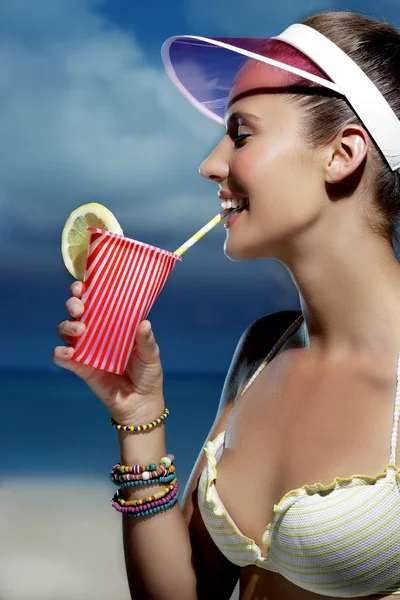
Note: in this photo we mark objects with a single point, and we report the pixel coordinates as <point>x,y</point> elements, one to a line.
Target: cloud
<point>84,117</point>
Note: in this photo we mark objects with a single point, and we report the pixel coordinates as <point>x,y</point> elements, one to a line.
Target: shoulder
<point>254,344</point>
<point>259,337</point>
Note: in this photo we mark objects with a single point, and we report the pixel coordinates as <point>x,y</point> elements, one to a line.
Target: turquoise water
<point>52,420</point>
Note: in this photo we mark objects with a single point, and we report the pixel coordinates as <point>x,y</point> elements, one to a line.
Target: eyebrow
<point>235,116</point>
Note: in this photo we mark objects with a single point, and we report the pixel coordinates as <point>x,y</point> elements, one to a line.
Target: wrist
<point>146,410</point>
<point>148,445</point>
<point>144,447</point>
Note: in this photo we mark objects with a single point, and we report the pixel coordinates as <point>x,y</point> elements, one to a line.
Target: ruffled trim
<point>337,482</point>
<point>211,448</point>
<point>293,496</point>
<point>218,508</point>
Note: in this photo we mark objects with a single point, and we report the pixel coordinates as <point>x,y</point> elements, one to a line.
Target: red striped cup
<point>122,281</point>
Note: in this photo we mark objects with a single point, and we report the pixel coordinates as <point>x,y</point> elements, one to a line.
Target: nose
<point>216,167</point>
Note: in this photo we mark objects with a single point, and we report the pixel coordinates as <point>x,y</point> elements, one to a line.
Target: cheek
<point>259,169</point>
<point>244,169</point>
<point>281,158</point>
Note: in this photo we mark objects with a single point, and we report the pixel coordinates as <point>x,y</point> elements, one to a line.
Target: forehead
<point>258,75</point>
<point>255,87</point>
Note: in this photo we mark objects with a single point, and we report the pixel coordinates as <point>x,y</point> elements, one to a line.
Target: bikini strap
<point>393,446</point>
<point>289,331</point>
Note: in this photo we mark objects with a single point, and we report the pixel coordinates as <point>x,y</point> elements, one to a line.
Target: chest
<point>301,423</point>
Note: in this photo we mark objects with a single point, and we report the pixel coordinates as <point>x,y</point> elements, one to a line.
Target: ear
<point>346,153</point>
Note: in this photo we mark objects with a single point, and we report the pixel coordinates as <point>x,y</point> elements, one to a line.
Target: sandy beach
<point>60,541</point>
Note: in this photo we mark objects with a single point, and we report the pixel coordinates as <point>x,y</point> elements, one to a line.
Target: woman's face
<point>263,158</point>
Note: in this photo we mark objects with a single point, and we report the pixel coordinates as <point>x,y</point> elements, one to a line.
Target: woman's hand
<point>135,396</point>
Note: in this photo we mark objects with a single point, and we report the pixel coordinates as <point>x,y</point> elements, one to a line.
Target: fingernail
<point>66,352</point>
<point>75,310</point>
<point>148,334</point>
<point>78,327</point>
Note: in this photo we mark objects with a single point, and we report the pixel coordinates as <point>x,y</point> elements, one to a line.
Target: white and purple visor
<point>204,69</point>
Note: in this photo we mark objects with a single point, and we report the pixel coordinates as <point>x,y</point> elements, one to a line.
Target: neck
<point>350,298</point>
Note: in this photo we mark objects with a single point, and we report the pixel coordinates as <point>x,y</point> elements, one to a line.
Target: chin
<point>239,253</point>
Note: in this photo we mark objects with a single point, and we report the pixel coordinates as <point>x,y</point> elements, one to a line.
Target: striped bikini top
<point>340,540</point>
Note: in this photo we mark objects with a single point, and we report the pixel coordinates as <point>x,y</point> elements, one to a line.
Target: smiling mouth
<point>230,207</point>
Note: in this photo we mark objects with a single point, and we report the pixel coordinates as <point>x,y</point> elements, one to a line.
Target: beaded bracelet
<point>166,479</point>
<point>150,507</point>
<point>142,501</point>
<point>166,461</point>
<point>150,511</point>
<point>137,428</point>
<point>144,507</point>
<point>161,471</point>
<point>168,494</point>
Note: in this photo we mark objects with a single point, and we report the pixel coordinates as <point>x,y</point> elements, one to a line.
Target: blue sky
<point>88,114</point>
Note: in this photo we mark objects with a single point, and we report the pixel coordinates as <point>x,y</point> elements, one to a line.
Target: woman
<point>311,156</point>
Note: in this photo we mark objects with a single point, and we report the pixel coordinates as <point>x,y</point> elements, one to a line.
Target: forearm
<point>157,548</point>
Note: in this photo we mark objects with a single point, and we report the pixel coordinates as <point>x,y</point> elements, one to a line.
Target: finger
<point>77,289</point>
<point>68,329</point>
<point>61,355</point>
<point>75,307</point>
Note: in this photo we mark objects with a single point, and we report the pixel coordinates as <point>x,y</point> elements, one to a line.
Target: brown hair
<point>375,47</point>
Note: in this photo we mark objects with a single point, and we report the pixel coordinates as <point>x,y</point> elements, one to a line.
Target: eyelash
<point>238,141</point>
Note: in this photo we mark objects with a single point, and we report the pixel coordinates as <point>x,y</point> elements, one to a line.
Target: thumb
<point>146,347</point>
<point>144,366</point>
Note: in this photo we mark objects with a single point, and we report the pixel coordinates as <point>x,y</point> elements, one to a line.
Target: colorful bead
<point>154,510</point>
<point>165,479</point>
<point>152,498</point>
<point>149,507</point>
<point>135,472</point>
<point>138,428</point>
<point>161,471</point>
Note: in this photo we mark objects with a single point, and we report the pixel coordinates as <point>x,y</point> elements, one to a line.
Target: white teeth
<point>234,203</point>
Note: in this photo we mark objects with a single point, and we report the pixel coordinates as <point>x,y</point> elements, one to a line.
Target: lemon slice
<point>75,236</point>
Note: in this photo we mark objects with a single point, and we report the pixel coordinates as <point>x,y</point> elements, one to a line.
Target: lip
<point>229,222</point>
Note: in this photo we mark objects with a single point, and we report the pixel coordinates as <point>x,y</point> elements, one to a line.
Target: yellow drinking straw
<point>197,236</point>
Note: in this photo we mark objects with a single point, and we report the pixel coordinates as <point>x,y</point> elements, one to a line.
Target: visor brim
<point>204,69</point>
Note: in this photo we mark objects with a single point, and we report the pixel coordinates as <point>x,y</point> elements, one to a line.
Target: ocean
<point>53,419</point>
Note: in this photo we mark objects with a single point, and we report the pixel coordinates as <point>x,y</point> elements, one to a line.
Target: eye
<point>239,140</point>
